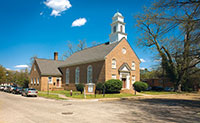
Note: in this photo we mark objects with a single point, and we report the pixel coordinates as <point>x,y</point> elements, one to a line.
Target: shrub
<point>113,86</point>
<point>140,86</point>
<point>80,87</point>
<point>99,87</point>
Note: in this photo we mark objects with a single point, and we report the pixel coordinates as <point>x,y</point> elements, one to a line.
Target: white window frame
<point>50,80</point>
<point>38,81</point>
<point>133,65</point>
<point>133,79</point>
<point>77,75</point>
<point>34,81</point>
<point>114,63</point>
<point>89,74</point>
<point>31,81</point>
<point>67,76</point>
<point>114,76</point>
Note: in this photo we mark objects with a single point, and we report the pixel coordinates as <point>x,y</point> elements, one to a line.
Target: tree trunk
<point>179,87</point>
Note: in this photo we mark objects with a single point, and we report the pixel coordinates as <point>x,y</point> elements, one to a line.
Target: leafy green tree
<point>2,74</point>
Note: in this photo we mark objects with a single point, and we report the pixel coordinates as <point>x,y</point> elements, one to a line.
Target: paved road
<point>18,109</point>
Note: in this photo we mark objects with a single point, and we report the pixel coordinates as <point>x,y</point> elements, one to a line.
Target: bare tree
<point>181,53</point>
<point>74,48</point>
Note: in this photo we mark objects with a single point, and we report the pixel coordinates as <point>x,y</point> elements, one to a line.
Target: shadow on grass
<point>163,110</point>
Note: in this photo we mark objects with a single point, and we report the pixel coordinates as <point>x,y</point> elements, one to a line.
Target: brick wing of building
<point>111,60</point>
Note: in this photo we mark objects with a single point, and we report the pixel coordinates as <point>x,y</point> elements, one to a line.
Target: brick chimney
<point>55,55</point>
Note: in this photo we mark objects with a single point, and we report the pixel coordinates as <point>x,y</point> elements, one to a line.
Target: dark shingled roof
<point>49,67</point>
<point>92,54</point>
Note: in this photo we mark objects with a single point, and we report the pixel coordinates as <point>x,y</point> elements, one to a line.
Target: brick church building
<point>111,60</point>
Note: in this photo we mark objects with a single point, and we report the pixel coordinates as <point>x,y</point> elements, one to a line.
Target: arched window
<point>38,81</point>
<point>77,72</point>
<point>114,63</point>
<point>133,65</point>
<point>114,29</point>
<point>89,74</point>
<point>121,28</point>
<point>31,81</point>
<point>67,76</point>
<point>34,81</point>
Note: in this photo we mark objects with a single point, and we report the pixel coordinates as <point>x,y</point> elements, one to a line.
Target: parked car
<point>168,89</point>
<point>17,90</point>
<point>157,88</point>
<point>7,89</point>
<point>29,92</point>
<point>11,88</point>
<point>2,88</point>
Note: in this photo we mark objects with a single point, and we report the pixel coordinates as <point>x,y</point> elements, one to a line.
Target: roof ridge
<point>92,47</point>
<point>49,59</point>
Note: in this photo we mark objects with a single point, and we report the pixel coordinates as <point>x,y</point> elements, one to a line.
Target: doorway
<point>124,82</point>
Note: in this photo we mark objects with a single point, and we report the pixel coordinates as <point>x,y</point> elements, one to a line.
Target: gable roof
<point>126,66</point>
<point>92,54</point>
<point>49,67</point>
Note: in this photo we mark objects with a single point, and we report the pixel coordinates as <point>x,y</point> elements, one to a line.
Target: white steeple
<point>117,28</point>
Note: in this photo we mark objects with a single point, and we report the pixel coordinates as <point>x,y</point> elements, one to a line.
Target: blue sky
<point>41,27</point>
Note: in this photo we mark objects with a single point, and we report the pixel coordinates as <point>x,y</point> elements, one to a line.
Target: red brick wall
<point>35,74</point>
<point>98,69</point>
<point>121,58</point>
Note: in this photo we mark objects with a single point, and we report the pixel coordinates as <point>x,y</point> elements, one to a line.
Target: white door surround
<point>124,72</point>
<point>127,77</point>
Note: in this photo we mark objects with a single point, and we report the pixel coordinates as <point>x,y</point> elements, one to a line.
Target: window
<point>133,79</point>
<point>31,80</point>
<point>67,76</point>
<point>114,29</point>
<point>124,50</point>
<point>121,28</point>
<point>133,65</point>
<point>77,72</point>
<point>34,68</point>
<point>38,81</point>
<point>50,80</point>
<point>114,76</point>
<point>34,80</point>
<point>114,64</point>
<point>89,74</point>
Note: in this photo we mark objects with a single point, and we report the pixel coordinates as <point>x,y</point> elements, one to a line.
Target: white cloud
<point>158,60</point>
<point>58,6</point>
<point>142,68</point>
<point>8,69</point>
<point>79,22</point>
<point>142,60</point>
<point>21,66</point>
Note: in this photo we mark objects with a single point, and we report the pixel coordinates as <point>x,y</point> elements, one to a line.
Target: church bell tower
<point>117,28</point>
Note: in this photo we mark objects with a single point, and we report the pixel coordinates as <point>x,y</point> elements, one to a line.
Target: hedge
<point>113,86</point>
<point>140,86</point>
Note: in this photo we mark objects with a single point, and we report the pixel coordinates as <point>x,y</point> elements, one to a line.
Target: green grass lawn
<point>158,92</point>
<point>78,95</point>
<point>50,96</point>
